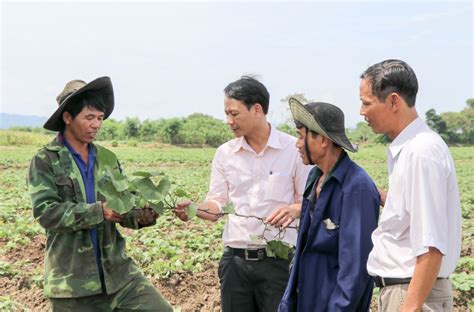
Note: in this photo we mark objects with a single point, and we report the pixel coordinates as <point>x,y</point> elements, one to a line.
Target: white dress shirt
<point>422,208</point>
<point>257,184</point>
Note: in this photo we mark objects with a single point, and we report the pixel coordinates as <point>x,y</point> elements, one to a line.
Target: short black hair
<point>392,76</point>
<point>88,99</point>
<point>250,91</point>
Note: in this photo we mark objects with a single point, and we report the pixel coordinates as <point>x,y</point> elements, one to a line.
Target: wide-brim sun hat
<point>323,118</point>
<point>73,90</point>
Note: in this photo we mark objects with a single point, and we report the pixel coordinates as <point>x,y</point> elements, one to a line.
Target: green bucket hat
<point>323,118</point>
<point>73,90</point>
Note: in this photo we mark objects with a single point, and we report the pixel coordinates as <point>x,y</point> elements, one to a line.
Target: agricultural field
<point>180,258</point>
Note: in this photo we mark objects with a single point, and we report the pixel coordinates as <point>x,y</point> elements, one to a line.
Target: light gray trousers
<point>440,298</point>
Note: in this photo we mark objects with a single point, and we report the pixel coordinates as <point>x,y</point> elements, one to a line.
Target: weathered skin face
<point>84,128</point>
<point>313,145</point>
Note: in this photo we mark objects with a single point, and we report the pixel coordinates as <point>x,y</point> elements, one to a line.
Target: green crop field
<point>175,255</point>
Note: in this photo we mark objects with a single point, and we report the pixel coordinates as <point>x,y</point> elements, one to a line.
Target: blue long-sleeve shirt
<point>334,241</point>
<point>87,173</point>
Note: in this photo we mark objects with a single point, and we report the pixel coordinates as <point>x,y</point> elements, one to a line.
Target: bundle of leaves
<point>122,195</point>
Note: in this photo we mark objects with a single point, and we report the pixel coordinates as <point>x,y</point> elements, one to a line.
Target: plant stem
<point>220,214</point>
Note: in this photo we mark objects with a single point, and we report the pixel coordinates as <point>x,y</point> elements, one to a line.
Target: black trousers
<point>252,286</point>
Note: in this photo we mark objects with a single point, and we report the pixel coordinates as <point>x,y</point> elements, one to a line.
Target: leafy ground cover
<point>180,258</point>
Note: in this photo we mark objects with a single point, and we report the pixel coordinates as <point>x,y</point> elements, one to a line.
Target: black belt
<point>387,281</point>
<point>249,254</point>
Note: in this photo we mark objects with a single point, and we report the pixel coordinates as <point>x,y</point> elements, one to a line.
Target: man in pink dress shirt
<point>261,174</point>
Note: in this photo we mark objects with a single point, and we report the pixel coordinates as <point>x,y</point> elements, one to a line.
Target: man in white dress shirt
<point>261,173</point>
<point>418,240</point>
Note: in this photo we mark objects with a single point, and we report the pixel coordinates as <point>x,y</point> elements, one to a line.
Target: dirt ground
<point>189,291</point>
<point>192,292</point>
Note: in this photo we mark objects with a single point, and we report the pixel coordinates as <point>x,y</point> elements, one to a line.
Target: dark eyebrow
<point>94,115</point>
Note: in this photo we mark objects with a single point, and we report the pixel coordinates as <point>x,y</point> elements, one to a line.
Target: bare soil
<point>192,292</point>
<point>189,291</point>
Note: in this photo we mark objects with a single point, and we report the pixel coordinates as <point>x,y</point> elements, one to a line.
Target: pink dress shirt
<point>257,184</point>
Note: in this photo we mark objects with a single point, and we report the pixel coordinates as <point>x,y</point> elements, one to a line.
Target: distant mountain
<point>13,120</point>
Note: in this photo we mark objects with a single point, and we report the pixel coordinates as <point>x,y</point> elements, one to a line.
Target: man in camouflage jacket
<point>87,268</point>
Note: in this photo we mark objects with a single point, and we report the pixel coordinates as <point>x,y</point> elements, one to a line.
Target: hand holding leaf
<point>110,215</point>
<point>123,195</point>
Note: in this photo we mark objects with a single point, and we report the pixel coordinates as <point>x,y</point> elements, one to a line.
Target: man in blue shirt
<point>339,213</point>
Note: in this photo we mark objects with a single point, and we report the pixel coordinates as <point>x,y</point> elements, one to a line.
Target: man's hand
<point>146,216</point>
<point>110,215</point>
<point>180,210</point>
<point>282,217</point>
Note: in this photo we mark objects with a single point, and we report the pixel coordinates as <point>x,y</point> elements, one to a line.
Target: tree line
<point>453,127</point>
<point>194,130</point>
<point>203,130</point>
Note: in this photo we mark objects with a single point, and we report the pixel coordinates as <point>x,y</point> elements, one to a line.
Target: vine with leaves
<point>122,195</point>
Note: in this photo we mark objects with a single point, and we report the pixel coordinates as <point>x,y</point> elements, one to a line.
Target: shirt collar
<point>403,137</point>
<point>62,139</point>
<point>340,167</point>
<point>338,171</point>
<point>273,142</point>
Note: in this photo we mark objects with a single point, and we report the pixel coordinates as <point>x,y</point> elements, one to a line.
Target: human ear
<point>67,118</point>
<point>394,101</point>
<point>324,140</point>
<point>258,108</point>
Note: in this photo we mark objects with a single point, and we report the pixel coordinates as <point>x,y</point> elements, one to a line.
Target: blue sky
<point>170,59</point>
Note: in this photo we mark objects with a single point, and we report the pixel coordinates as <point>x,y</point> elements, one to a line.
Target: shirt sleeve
<point>426,196</point>
<point>55,212</point>
<point>218,186</point>
<point>359,216</point>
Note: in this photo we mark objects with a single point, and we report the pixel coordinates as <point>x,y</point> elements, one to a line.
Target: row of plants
<point>172,246</point>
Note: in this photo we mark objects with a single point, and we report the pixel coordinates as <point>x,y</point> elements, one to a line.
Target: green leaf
<point>191,210</point>
<point>106,188</point>
<point>147,174</point>
<point>158,207</point>
<point>143,174</point>
<point>119,180</point>
<point>181,193</point>
<point>120,202</point>
<point>140,201</point>
<point>279,249</point>
<point>462,281</point>
<point>164,187</point>
<point>147,189</point>
<point>105,158</point>
<point>270,252</point>
<point>132,188</point>
<point>229,208</point>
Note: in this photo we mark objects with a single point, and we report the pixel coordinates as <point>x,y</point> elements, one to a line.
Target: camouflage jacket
<point>59,205</point>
